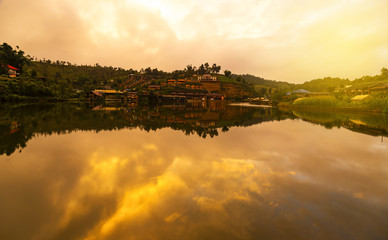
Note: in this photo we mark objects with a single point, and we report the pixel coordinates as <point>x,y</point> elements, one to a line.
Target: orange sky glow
<point>293,41</point>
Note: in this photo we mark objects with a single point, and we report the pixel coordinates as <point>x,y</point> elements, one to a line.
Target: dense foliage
<point>377,102</point>
<point>9,56</point>
<point>329,84</point>
<point>264,82</point>
<point>64,80</point>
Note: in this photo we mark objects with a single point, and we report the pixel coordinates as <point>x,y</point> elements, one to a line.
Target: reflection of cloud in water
<point>358,195</point>
<point>132,184</point>
<point>225,181</point>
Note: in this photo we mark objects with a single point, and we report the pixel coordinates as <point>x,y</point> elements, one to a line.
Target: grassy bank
<point>378,104</point>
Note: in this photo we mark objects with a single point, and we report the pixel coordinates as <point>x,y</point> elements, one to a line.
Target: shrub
<point>378,102</point>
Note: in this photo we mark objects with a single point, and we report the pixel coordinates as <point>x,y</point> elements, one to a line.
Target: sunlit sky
<point>285,40</point>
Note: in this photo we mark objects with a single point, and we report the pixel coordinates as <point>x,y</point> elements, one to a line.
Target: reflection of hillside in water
<point>19,123</point>
<point>371,124</point>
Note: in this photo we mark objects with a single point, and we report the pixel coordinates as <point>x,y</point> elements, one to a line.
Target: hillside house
<point>360,98</point>
<point>378,88</point>
<point>171,82</point>
<point>264,101</point>
<point>132,97</point>
<point>181,81</point>
<point>210,83</point>
<point>105,94</point>
<point>207,77</point>
<point>154,87</point>
<point>366,88</point>
<point>12,71</point>
<point>299,91</point>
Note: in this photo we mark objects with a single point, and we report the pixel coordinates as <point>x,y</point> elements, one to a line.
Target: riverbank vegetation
<point>60,80</point>
<point>344,103</point>
<point>25,78</point>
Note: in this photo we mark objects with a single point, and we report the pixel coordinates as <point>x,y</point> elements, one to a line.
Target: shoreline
<point>315,108</point>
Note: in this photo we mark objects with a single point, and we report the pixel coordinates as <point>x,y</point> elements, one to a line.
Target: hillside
<point>259,81</point>
<point>63,80</point>
<point>329,84</point>
<point>60,80</point>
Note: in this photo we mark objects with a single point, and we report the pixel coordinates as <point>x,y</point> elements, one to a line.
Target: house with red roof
<point>12,71</point>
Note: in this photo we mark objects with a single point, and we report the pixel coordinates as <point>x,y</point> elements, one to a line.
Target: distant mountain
<point>328,84</point>
<point>259,81</point>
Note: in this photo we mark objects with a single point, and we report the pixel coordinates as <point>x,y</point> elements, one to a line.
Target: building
<point>171,82</point>
<point>132,97</point>
<point>107,95</point>
<point>378,88</point>
<point>264,101</point>
<point>299,91</point>
<point>12,71</point>
<point>207,77</point>
<point>360,98</point>
<point>108,92</point>
<point>154,87</point>
<point>319,94</point>
<point>181,81</point>
<point>375,88</point>
<point>210,83</point>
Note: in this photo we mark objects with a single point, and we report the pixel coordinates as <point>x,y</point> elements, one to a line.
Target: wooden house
<point>12,71</point>
<point>207,77</point>
<point>378,88</point>
<point>181,81</point>
<point>210,83</point>
<point>154,87</point>
<point>360,98</point>
<point>171,82</point>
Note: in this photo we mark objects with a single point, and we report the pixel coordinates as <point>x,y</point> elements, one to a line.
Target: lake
<point>198,171</point>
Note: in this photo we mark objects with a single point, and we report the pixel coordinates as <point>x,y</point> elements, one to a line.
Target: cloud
<point>287,40</point>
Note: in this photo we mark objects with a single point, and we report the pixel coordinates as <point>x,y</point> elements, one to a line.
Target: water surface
<point>191,172</point>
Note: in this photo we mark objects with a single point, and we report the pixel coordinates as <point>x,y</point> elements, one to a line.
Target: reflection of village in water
<point>196,114</point>
<point>18,124</point>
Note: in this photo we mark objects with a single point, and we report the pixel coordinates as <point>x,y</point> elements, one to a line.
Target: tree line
<point>62,79</point>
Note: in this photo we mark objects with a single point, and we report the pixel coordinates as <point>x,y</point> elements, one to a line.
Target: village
<point>204,87</point>
<point>145,89</point>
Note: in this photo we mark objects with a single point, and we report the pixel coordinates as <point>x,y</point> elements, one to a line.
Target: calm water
<point>191,172</point>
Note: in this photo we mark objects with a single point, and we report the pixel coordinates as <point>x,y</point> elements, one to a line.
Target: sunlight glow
<point>311,40</point>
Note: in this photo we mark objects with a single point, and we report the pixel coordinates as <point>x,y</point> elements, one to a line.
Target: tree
<point>218,69</point>
<point>34,73</point>
<point>215,68</point>
<point>206,67</point>
<point>262,91</point>
<point>155,72</point>
<point>201,69</point>
<point>58,76</point>
<point>277,96</point>
<point>9,56</point>
<point>227,73</point>
<point>148,71</point>
<point>189,68</point>
<point>384,72</point>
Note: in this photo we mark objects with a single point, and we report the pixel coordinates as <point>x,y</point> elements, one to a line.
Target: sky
<point>284,40</point>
